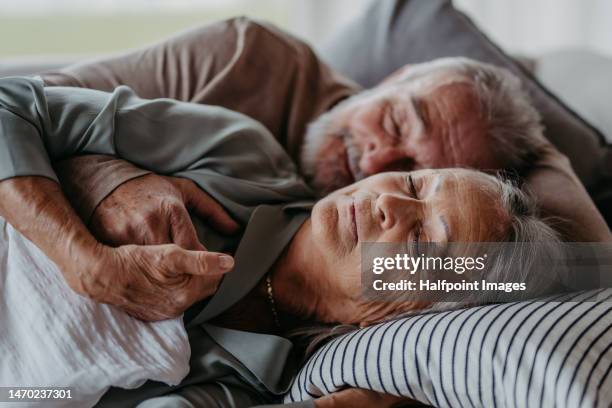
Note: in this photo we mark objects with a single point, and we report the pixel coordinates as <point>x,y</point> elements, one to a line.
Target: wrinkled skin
<point>435,122</point>
<point>152,210</point>
<point>152,282</point>
<point>323,260</point>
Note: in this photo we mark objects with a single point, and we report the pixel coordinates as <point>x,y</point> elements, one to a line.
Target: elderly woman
<point>296,262</point>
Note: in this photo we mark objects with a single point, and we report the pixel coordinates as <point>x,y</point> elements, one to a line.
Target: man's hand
<point>156,282</point>
<point>150,282</point>
<point>358,397</point>
<point>153,210</point>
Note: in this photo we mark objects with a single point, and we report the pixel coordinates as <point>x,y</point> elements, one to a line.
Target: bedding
<point>555,352</point>
<point>52,337</point>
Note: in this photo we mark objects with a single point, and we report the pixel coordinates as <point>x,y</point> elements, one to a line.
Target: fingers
<point>203,272</point>
<point>206,207</point>
<point>199,263</point>
<point>147,226</point>
<point>213,263</point>
<point>161,281</point>
<point>183,232</point>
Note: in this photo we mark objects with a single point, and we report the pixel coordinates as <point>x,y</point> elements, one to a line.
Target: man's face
<point>431,121</point>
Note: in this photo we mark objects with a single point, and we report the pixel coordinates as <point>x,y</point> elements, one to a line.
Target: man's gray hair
<point>512,121</point>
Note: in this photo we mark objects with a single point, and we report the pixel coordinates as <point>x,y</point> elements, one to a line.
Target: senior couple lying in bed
<point>242,198</point>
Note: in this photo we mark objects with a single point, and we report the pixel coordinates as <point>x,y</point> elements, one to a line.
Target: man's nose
<point>397,208</point>
<point>380,154</point>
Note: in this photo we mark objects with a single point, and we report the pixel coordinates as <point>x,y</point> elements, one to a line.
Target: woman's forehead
<point>471,205</point>
<point>455,179</point>
<point>457,176</point>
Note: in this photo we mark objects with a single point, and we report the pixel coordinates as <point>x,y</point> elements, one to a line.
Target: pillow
<point>556,352</point>
<point>393,33</point>
<point>52,337</point>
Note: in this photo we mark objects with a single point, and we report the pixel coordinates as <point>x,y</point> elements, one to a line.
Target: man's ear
<point>397,75</point>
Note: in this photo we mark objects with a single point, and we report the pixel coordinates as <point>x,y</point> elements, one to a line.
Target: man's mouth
<point>351,158</point>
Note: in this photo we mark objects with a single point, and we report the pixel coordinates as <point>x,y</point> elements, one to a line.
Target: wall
<point>316,20</point>
<point>533,27</point>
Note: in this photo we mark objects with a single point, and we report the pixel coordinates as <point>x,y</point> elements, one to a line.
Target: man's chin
<point>324,158</point>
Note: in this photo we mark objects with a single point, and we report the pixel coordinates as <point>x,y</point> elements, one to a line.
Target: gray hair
<point>512,124</point>
<point>533,243</point>
<point>512,121</point>
<point>528,251</point>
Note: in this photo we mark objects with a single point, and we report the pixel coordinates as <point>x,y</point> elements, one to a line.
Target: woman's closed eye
<point>412,187</point>
<point>417,227</point>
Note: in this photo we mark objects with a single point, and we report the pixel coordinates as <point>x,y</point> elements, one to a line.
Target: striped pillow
<point>554,352</point>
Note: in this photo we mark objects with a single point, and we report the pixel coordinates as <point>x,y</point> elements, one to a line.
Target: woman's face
<point>450,205</point>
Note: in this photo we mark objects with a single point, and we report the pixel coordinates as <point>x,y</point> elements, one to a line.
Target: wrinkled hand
<point>153,210</point>
<point>156,282</point>
<point>146,279</point>
<point>150,282</point>
<point>358,397</point>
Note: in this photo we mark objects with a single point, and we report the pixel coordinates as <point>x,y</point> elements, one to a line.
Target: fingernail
<point>226,262</point>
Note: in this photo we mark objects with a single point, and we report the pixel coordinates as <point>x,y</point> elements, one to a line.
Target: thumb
<point>212,263</point>
<point>206,207</point>
<point>198,263</point>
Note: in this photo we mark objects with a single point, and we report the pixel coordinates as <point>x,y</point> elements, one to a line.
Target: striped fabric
<point>551,353</point>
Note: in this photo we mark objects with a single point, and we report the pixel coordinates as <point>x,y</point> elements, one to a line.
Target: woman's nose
<point>394,208</point>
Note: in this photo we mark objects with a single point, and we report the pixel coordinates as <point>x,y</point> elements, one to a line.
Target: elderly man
<point>441,114</point>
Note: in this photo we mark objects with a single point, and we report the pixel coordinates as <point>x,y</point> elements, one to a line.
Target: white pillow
<point>52,337</point>
<point>524,354</point>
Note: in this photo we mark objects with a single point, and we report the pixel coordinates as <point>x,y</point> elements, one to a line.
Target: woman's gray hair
<point>529,252</point>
